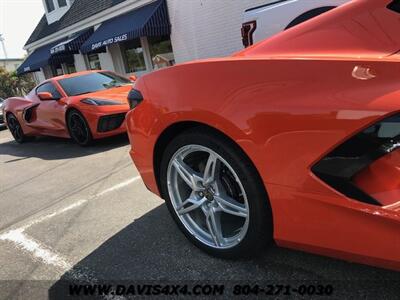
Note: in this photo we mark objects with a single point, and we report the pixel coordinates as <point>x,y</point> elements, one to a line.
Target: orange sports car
<point>295,139</point>
<point>84,106</point>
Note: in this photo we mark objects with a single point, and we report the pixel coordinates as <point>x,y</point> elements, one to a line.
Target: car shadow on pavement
<point>151,249</point>
<point>51,148</point>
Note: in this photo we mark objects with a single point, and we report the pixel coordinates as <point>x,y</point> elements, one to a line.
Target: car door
<point>50,114</point>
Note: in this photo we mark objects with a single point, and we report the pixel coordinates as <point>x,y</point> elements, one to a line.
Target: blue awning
<point>72,44</point>
<point>149,20</point>
<point>37,59</point>
<point>55,53</point>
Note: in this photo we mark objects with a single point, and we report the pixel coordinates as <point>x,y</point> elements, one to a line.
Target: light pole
<point>4,50</point>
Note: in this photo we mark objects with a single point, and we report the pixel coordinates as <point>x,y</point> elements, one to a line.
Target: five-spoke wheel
<point>208,196</point>
<point>215,194</point>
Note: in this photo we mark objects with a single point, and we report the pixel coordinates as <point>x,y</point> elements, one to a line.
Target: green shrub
<point>12,85</point>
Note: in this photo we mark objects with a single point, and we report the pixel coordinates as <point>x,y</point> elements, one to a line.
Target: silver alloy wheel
<point>208,196</point>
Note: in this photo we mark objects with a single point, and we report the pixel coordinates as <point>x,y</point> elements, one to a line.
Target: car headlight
<point>100,102</point>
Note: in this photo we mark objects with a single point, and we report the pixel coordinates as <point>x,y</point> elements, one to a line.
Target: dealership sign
<point>57,49</point>
<point>110,41</point>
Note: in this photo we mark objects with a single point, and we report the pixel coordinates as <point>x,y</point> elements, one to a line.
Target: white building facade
<point>10,64</point>
<point>197,29</point>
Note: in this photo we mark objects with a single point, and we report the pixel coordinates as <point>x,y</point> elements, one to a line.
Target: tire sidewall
<point>259,231</point>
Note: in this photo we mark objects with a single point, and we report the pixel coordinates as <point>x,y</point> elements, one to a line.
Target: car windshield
<point>93,82</point>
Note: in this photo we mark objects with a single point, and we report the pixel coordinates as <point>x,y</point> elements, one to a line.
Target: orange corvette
<point>84,106</point>
<point>295,139</point>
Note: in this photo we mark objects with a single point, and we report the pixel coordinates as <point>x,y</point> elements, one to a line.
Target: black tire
<point>259,233</point>
<point>79,129</point>
<point>16,130</point>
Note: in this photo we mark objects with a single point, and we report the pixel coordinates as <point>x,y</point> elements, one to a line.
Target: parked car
<point>295,139</point>
<point>84,106</point>
<point>1,113</point>
<point>275,16</point>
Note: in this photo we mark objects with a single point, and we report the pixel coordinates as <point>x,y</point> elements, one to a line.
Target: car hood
<point>119,94</point>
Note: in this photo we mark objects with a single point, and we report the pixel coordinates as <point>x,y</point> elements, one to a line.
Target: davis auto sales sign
<point>113,40</point>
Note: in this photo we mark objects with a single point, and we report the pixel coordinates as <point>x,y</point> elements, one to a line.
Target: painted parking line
<point>42,252</point>
<point>5,140</point>
<point>39,251</point>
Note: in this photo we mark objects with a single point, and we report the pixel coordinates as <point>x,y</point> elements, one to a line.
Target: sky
<point>18,19</point>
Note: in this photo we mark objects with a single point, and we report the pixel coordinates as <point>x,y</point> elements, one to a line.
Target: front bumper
<point>106,122</point>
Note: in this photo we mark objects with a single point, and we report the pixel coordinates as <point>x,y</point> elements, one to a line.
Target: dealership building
<point>131,36</point>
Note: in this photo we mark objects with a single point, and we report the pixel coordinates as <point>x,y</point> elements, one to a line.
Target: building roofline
<point>91,21</point>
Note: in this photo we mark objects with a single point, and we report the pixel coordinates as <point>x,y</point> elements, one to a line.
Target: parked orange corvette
<point>84,106</point>
<point>295,139</point>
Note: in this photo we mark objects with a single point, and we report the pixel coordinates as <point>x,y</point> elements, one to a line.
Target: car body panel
<point>49,117</point>
<point>275,16</point>
<point>287,112</point>
<point>364,28</point>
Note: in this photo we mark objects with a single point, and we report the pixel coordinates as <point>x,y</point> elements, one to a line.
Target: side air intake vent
<point>395,6</point>
<point>340,168</point>
<point>29,113</point>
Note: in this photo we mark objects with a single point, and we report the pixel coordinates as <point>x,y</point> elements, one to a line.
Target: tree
<point>12,85</point>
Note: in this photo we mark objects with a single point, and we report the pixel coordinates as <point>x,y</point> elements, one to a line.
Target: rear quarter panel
<point>16,106</point>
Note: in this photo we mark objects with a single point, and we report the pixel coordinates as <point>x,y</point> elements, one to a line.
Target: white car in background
<point>1,113</point>
<point>266,20</point>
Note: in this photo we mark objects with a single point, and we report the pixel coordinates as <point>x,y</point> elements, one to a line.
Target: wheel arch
<point>8,113</point>
<point>177,128</point>
<point>67,112</point>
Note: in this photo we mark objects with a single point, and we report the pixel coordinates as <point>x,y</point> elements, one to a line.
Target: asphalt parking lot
<point>83,213</point>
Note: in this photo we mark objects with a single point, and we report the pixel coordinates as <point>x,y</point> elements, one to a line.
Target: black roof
<point>80,10</point>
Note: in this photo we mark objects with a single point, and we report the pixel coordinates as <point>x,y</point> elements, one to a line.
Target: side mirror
<point>133,78</point>
<point>45,96</point>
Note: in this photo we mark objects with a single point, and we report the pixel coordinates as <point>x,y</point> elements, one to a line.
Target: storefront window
<point>132,53</point>
<point>70,68</point>
<point>94,61</point>
<point>161,52</point>
<point>57,70</point>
